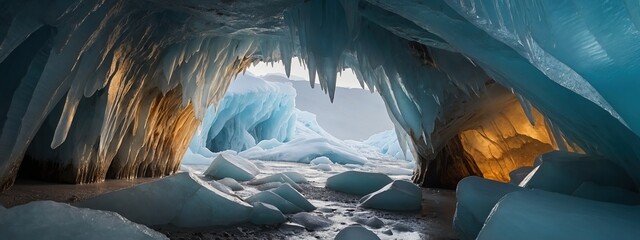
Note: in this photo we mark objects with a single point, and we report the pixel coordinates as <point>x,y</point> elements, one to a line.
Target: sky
<point>298,72</point>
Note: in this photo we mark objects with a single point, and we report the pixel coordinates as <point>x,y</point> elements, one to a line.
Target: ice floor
<point>432,222</point>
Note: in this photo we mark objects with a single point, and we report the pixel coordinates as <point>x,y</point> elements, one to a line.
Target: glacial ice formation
<point>52,220</point>
<point>276,200</point>
<point>387,143</point>
<point>310,221</point>
<point>398,195</point>
<point>357,183</point>
<point>356,232</point>
<point>232,166</point>
<point>181,200</point>
<point>266,214</point>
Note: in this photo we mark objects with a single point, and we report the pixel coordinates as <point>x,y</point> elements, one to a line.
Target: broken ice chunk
<point>476,197</point>
<point>276,200</point>
<point>564,172</point>
<point>321,160</point>
<point>231,166</point>
<point>266,214</point>
<point>291,178</point>
<point>52,220</point>
<point>231,183</point>
<point>357,183</point>
<point>269,185</point>
<point>399,195</point>
<point>221,187</point>
<point>311,222</point>
<point>537,214</point>
<point>372,222</point>
<point>356,231</point>
<point>290,194</point>
<point>182,200</point>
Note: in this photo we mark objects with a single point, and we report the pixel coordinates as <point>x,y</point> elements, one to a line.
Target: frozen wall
<point>97,89</point>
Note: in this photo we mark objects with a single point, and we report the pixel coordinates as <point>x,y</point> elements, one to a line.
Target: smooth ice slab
<point>276,200</point>
<point>310,221</point>
<point>266,214</point>
<point>476,197</point>
<point>292,195</point>
<point>232,166</point>
<point>182,200</point>
<point>538,214</point>
<point>356,232</point>
<point>231,183</point>
<point>357,183</point>
<point>589,190</point>
<point>564,172</point>
<point>399,195</point>
<point>221,187</point>
<point>52,220</point>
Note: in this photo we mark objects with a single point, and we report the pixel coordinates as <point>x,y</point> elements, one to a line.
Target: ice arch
<point>115,89</point>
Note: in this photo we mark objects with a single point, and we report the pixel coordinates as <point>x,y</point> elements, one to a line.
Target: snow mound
<point>476,198</point>
<point>290,194</point>
<point>311,222</point>
<point>182,200</point>
<point>537,214</point>
<point>304,149</point>
<point>564,172</point>
<point>266,214</point>
<point>52,220</point>
<point>232,166</point>
<point>231,183</point>
<point>356,232</point>
<point>276,200</point>
<point>357,183</point>
<point>399,195</point>
<point>322,167</point>
<point>321,160</point>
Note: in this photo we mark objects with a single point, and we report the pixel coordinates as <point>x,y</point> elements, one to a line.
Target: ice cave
<point>384,119</point>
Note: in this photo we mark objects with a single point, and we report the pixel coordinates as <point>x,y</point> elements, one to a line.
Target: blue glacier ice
<point>276,200</point>
<point>266,214</point>
<point>289,193</point>
<point>399,195</point>
<point>231,166</point>
<point>357,183</point>
<point>356,232</point>
<point>55,221</point>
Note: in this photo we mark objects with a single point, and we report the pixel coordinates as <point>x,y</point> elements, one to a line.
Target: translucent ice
<point>231,183</point>
<point>292,195</point>
<point>321,160</point>
<point>266,214</point>
<point>399,195</point>
<point>276,200</point>
<point>52,220</point>
<point>182,200</point>
<point>357,183</point>
<point>356,232</point>
<point>231,166</point>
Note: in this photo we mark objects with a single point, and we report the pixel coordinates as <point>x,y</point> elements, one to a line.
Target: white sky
<point>346,79</point>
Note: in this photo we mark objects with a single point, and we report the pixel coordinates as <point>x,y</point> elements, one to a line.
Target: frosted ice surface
<point>232,166</point>
<point>356,232</point>
<point>231,183</point>
<point>589,190</point>
<point>310,221</point>
<point>266,214</point>
<point>357,183</point>
<point>516,176</point>
<point>276,200</point>
<point>321,160</point>
<point>539,214</point>
<point>476,197</point>
<point>322,167</point>
<point>182,200</point>
<point>399,195</point>
<point>53,220</point>
<point>290,194</point>
<point>564,172</point>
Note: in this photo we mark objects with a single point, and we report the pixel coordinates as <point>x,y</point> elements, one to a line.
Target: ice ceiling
<point>116,88</point>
